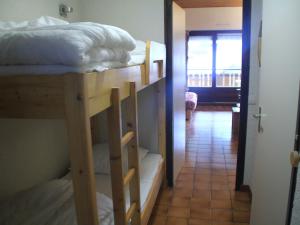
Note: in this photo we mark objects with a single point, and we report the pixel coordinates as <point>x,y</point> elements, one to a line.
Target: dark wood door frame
<point>294,170</point>
<point>240,169</point>
<point>169,91</point>
<point>244,92</point>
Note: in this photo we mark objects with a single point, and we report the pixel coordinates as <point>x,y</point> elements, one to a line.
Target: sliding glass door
<point>214,65</point>
<point>200,61</point>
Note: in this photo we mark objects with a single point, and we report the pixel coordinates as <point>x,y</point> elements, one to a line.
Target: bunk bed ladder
<point>117,142</point>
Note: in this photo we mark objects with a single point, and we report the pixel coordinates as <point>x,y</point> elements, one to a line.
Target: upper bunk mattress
<point>52,46</point>
<point>63,43</point>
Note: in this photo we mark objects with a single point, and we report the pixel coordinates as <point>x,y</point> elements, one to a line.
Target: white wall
<point>143,19</point>
<point>17,10</point>
<point>31,151</point>
<point>253,90</point>
<point>229,18</point>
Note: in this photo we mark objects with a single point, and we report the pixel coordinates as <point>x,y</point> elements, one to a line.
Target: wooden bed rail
<point>116,144</point>
<point>154,66</point>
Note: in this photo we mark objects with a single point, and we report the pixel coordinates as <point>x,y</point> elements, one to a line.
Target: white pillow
<point>102,161</point>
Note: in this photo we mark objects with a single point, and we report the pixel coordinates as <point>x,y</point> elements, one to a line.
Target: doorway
<point>244,86</point>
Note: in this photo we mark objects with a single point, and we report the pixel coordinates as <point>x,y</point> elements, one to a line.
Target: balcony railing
<point>224,78</point>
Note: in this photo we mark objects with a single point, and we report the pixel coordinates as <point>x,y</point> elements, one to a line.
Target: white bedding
<point>62,43</point>
<point>53,203</point>
<point>50,204</point>
<point>137,57</point>
<point>148,169</point>
<point>52,46</point>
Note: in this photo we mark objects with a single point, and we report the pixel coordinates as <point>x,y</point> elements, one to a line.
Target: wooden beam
<point>114,138</point>
<point>161,99</point>
<point>80,147</point>
<point>129,176</point>
<point>126,138</point>
<point>209,3</point>
<point>131,212</point>
<point>32,97</point>
<point>133,153</point>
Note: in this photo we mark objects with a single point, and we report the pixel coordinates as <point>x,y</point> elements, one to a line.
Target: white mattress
<point>137,57</point>
<point>60,69</point>
<point>149,167</point>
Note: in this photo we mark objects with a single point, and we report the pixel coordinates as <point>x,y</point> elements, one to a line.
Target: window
<point>214,60</point>
<point>228,60</point>
<point>200,61</point>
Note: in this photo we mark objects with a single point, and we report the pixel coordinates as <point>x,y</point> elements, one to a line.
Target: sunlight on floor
<point>204,191</point>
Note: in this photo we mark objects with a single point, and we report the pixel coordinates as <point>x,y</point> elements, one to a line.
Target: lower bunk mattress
<point>52,203</point>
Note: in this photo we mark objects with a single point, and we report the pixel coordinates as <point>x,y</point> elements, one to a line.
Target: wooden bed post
<point>148,62</point>
<point>80,145</point>
<point>161,117</point>
<point>116,143</point>
<point>161,98</point>
<point>133,153</point>
<point>116,167</point>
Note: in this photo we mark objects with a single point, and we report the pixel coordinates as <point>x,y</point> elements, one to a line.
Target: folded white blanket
<point>51,203</point>
<point>40,22</point>
<point>73,44</point>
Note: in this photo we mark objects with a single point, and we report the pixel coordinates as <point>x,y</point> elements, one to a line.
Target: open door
<point>179,86</point>
<point>276,119</point>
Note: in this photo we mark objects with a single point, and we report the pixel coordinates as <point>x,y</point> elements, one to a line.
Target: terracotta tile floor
<point>204,191</point>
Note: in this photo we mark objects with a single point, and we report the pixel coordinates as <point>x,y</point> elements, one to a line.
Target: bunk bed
<point>78,97</point>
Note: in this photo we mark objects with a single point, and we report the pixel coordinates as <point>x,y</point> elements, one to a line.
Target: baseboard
<point>246,188</point>
<point>217,103</point>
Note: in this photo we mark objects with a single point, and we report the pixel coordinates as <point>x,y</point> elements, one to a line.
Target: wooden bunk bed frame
<point>78,97</point>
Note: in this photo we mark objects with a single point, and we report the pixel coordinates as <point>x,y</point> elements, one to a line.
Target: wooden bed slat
<point>129,176</point>
<point>131,212</point>
<point>126,138</point>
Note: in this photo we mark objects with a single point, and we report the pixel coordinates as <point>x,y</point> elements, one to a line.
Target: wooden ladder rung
<point>126,138</point>
<point>129,176</point>
<point>130,212</point>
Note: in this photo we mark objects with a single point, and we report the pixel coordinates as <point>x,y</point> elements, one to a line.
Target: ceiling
<point>209,3</point>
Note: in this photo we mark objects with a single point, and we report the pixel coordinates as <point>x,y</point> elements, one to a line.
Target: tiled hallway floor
<point>204,191</point>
